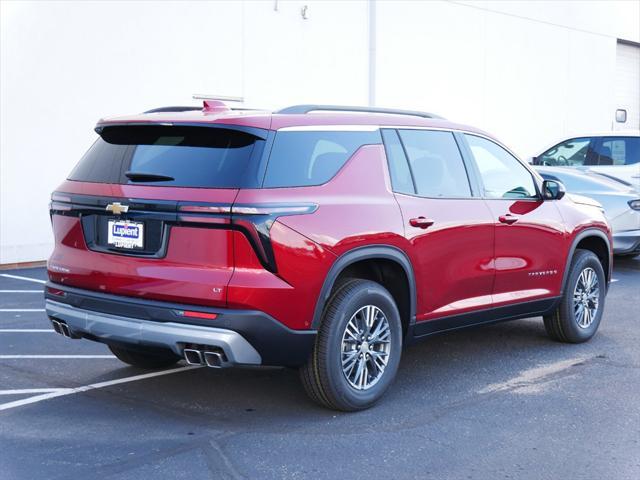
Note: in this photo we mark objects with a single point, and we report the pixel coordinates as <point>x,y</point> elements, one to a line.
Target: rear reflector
<point>56,291</point>
<point>193,314</point>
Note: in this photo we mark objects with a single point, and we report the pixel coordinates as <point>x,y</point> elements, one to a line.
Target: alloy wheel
<point>366,343</point>
<point>586,298</point>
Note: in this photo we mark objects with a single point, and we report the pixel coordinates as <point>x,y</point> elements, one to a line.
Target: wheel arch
<point>368,255</point>
<point>597,242</point>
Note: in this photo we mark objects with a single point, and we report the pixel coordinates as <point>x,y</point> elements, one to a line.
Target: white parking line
<point>21,291</point>
<point>613,280</point>
<point>21,309</point>
<point>17,277</point>
<point>15,357</point>
<point>26,330</point>
<point>31,390</point>
<point>93,386</point>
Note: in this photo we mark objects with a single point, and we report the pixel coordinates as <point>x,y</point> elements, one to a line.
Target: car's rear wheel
<point>148,360</point>
<point>358,348</point>
<point>578,316</point>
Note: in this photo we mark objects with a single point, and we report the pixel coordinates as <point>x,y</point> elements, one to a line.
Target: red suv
<point>318,237</point>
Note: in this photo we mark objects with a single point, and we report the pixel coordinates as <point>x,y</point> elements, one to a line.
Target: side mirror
<point>553,190</point>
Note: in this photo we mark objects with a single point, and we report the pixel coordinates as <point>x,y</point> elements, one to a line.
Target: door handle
<point>420,222</point>
<point>508,219</point>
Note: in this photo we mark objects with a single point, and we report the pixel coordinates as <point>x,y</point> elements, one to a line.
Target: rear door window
<point>617,151</point>
<point>301,158</point>
<point>436,164</point>
<point>186,156</point>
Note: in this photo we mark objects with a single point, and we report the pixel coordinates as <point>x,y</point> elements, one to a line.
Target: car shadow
<point>445,368</point>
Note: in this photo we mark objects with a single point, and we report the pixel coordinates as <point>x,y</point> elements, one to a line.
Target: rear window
<point>306,158</point>
<point>188,156</point>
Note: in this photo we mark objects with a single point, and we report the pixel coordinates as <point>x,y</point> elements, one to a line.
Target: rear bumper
<point>247,337</point>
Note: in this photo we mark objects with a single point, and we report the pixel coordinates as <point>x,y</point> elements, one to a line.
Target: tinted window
<point>192,156</point>
<point>102,163</point>
<point>503,176</point>
<point>398,167</point>
<point>436,163</point>
<point>616,151</point>
<point>305,158</point>
<point>572,152</point>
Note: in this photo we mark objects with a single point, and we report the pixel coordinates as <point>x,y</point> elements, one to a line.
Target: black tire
<point>150,360</point>
<point>322,376</point>
<point>562,325</point>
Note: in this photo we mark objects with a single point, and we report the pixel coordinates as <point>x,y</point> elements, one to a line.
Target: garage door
<point>628,85</point>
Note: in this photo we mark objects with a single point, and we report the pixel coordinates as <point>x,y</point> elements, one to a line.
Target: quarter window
<point>305,158</point>
<point>503,176</point>
<point>436,163</point>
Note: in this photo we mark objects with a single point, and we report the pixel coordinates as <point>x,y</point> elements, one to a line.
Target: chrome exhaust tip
<point>56,326</point>
<point>213,359</point>
<point>193,357</point>
<point>65,330</point>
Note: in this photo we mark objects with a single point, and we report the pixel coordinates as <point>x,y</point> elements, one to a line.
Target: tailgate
<point>147,211</point>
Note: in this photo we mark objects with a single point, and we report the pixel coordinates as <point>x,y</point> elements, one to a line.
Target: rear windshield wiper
<point>147,177</point>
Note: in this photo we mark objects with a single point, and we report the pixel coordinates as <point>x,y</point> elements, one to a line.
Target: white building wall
<point>526,81</point>
<point>526,71</point>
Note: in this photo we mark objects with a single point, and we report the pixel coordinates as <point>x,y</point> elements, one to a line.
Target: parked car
<point>620,202</point>
<point>616,154</point>
<point>318,237</point>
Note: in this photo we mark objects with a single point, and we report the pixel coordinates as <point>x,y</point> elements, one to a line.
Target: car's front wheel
<point>578,316</point>
<point>358,348</point>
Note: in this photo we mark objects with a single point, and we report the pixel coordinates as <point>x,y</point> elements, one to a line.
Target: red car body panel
<point>528,253</point>
<point>453,257</point>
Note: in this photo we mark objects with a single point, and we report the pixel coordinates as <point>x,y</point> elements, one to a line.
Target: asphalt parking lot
<point>495,402</point>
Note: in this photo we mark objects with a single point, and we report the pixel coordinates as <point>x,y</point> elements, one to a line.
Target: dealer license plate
<point>125,234</point>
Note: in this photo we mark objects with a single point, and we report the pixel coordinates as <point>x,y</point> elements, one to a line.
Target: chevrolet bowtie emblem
<point>117,208</point>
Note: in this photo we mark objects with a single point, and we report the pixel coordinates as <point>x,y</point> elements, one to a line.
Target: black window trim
<point>406,160</point>
<point>474,191</point>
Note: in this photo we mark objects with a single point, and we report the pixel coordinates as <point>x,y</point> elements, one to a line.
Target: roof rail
<point>301,109</point>
<point>173,109</point>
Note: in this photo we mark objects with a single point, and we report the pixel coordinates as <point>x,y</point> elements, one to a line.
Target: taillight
<point>58,197</point>
<point>253,220</point>
<point>634,204</point>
